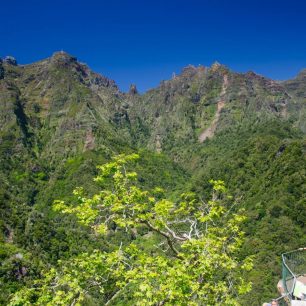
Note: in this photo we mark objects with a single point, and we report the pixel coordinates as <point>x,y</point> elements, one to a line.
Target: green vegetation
<point>59,120</point>
<point>195,262</point>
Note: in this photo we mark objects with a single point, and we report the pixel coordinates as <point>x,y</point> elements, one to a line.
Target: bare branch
<point>168,238</point>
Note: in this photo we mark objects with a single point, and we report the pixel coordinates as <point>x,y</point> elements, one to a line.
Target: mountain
<point>296,88</point>
<point>200,102</point>
<point>59,119</point>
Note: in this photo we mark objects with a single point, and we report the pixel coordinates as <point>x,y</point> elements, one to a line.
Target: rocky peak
<point>179,84</point>
<point>191,70</point>
<point>215,66</point>
<point>62,58</point>
<point>251,75</point>
<point>296,86</point>
<point>97,80</point>
<point>269,84</point>
<point>133,90</point>
<point>302,74</point>
<point>10,60</point>
<point>94,80</point>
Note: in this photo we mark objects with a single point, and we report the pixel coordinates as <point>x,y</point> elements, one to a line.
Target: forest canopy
<point>192,255</point>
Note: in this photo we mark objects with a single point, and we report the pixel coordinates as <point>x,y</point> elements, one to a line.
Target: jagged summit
<point>200,70</point>
<point>251,73</point>
<point>215,66</point>
<point>62,58</point>
<point>133,90</point>
<point>62,53</point>
<point>192,70</point>
<point>302,73</point>
<point>193,81</point>
<point>10,60</point>
<point>297,85</point>
<point>218,67</point>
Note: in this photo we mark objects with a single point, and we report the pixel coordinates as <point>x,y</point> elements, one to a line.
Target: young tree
<point>196,264</point>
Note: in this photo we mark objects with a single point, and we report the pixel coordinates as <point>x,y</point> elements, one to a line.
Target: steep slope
<point>258,146</point>
<point>68,107</point>
<point>209,132</point>
<point>203,101</point>
<point>58,121</point>
<point>296,88</point>
<point>51,111</point>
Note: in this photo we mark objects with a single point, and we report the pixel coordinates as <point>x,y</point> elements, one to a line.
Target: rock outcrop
<point>1,69</point>
<point>62,58</point>
<point>10,60</point>
<point>133,90</point>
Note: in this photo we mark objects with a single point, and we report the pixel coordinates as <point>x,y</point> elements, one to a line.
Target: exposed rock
<point>23,271</point>
<point>180,84</point>
<point>62,59</point>
<point>10,60</point>
<point>209,132</point>
<point>92,79</point>
<point>281,150</point>
<point>1,69</point>
<point>96,80</point>
<point>86,76</point>
<point>133,90</point>
<point>158,144</point>
<point>19,256</point>
<point>9,235</point>
<point>190,71</point>
<point>89,140</point>
<point>297,85</point>
<point>215,66</point>
<point>251,75</point>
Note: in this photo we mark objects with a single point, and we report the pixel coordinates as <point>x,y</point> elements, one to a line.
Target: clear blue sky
<point>143,42</point>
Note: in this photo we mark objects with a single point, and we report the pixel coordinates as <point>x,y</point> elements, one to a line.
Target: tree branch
<point>168,238</point>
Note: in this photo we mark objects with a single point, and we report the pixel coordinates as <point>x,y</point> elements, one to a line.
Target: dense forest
<point>92,178</point>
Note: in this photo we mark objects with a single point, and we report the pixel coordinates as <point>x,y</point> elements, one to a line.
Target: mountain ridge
<point>59,119</point>
<point>57,54</point>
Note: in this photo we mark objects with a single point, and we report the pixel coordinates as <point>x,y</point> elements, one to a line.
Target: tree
<point>196,262</point>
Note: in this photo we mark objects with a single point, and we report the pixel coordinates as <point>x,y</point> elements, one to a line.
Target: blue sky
<point>143,42</point>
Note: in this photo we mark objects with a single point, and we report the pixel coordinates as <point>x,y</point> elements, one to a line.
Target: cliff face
<point>296,86</point>
<point>56,103</point>
<point>297,89</point>
<point>202,102</point>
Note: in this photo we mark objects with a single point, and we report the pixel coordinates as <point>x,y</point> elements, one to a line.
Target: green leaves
<point>195,262</point>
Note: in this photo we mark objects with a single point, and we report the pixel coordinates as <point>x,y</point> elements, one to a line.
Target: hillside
<point>59,120</point>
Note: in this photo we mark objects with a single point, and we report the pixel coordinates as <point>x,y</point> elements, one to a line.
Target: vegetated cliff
<point>296,88</point>
<point>59,119</point>
<point>181,109</point>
